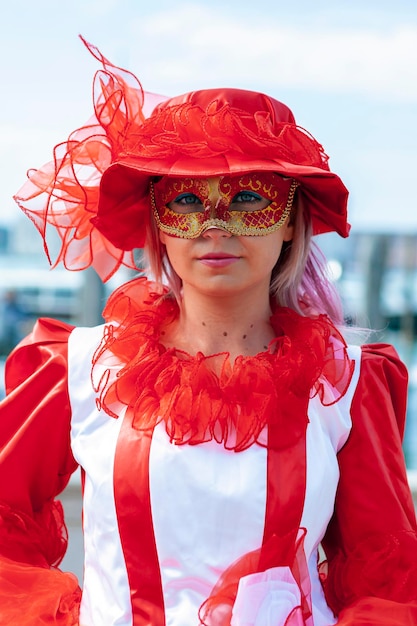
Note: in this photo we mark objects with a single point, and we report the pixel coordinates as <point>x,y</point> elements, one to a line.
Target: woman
<point>225,431</point>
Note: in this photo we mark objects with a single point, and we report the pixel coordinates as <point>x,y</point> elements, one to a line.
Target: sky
<point>347,69</point>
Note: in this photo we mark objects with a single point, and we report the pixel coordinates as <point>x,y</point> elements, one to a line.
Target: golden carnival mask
<point>187,207</point>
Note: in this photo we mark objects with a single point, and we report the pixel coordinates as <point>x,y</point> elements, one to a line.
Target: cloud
<point>384,200</point>
<point>198,45</point>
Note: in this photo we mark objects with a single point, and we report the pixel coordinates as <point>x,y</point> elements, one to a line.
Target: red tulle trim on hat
<point>64,193</point>
<point>189,130</point>
<point>201,398</point>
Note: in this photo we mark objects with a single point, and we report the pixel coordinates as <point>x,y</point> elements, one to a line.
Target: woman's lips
<point>218,259</point>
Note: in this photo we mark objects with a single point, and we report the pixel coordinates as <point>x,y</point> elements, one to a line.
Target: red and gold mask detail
<point>187,207</point>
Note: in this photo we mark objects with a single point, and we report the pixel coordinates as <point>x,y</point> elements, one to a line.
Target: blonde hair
<point>300,279</point>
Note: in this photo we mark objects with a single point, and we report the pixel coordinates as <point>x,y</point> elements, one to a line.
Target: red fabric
<point>195,402</point>
<point>35,466</point>
<point>133,506</point>
<point>35,596</point>
<point>377,612</point>
<point>371,542</point>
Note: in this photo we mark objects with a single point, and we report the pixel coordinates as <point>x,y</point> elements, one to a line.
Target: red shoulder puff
<point>371,542</point>
<point>35,465</point>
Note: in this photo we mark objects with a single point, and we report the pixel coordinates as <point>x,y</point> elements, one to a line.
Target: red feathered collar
<point>307,357</point>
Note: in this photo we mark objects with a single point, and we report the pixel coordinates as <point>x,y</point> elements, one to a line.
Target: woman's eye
<point>186,202</point>
<point>247,196</point>
<point>187,198</point>
<point>248,201</point>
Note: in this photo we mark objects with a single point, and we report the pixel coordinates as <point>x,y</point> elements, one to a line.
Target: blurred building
<point>376,275</point>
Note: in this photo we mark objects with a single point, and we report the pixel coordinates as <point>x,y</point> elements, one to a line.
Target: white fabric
<point>106,595</point>
<point>203,517</point>
<point>267,599</point>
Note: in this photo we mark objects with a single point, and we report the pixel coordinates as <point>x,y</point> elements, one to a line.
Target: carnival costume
<point>209,486</point>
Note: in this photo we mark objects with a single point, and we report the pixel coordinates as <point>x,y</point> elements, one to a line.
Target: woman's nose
<point>214,232</point>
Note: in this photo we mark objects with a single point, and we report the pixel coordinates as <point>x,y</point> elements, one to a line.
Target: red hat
<point>96,192</point>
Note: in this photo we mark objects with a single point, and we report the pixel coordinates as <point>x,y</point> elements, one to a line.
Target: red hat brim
<point>124,204</point>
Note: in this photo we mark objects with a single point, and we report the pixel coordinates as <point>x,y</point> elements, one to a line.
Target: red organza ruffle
<point>200,398</point>
<point>34,595</point>
<point>64,193</point>
<point>187,129</point>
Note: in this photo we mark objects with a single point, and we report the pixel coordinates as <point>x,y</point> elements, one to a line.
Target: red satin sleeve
<point>35,465</point>
<point>371,542</point>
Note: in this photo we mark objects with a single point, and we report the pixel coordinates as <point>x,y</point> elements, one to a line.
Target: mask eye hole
<point>186,203</point>
<point>248,201</point>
